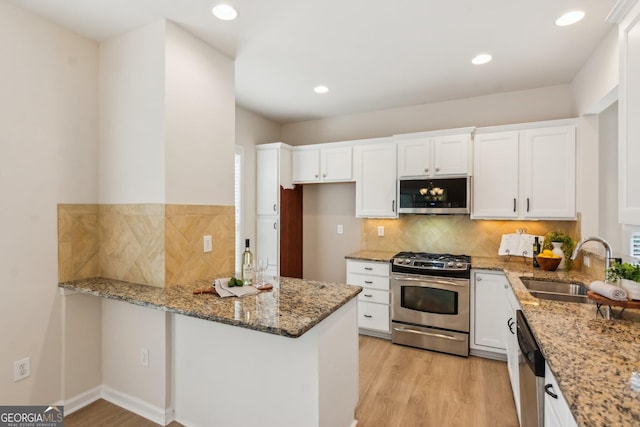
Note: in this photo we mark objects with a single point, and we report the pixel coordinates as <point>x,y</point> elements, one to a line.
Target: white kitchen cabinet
<point>513,350</point>
<point>556,409</point>
<point>526,173</point>
<point>322,163</point>
<point>628,112</point>
<point>488,310</point>
<point>374,300</point>
<point>375,174</point>
<point>273,172</point>
<point>430,154</point>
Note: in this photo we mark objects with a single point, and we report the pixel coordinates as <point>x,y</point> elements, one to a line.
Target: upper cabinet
<point>322,163</point>
<point>525,173</point>
<point>629,125</point>
<point>273,162</point>
<point>374,165</point>
<point>428,154</point>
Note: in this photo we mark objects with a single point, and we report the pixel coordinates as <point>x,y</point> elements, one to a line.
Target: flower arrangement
<point>568,245</point>
<point>432,193</point>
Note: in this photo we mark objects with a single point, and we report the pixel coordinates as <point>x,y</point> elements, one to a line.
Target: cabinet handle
<point>426,170</point>
<point>316,175</point>
<point>275,225</point>
<point>514,204</point>
<point>527,204</point>
<point>510,323</point>
<point>368,268</point>
<point>368,282</point>
<point>478,279</point>
<point>368,316</point>
<point>549,392</point>
<point>275,207</point>
<point>393,206</point>
<point>437,169</point>
<point>368,295</point>
<point>324,175</point>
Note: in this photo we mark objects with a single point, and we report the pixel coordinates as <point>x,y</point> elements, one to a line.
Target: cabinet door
<point>375,173</point>
<point>451,155</point>
<point>336,164</point>
<point>495,180</point>
<point>513,350</point>
<point>305,165</point>
<point>267,244</point>
<point>629,125</point>
<point>489,311</point>
<point>548,171</point>
<point>556,410</point>
<point>267,182</point>
<point>414,157</point>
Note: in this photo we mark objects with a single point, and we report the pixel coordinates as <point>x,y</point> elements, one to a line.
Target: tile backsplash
<point>154,244</point>
<point>456,234</point>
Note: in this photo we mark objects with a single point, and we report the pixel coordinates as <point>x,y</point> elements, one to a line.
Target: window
<point>237,200</point>
<point>635,245</point>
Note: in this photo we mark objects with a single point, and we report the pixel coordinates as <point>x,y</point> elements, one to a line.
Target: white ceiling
<point>372,54</point>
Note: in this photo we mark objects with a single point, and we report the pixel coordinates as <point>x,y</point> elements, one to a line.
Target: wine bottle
<point>247,264</point>
<point>536,251</point>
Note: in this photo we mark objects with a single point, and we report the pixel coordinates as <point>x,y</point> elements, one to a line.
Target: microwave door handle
<point>440,282</point>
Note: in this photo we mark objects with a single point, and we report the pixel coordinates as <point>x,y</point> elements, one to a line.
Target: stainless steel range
<point>430,301</point>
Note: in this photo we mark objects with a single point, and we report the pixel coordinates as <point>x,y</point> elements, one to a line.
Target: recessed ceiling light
<point>225,12</point>
<point>321,89</point>
<point>483,58</point>
<point>570,18</point>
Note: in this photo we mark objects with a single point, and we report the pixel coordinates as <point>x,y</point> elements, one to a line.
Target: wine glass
<point>261,267</point>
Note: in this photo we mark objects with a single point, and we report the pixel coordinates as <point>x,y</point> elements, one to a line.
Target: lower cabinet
<point>373,301</point>
<point>488,312</point>
<point>556,409</point>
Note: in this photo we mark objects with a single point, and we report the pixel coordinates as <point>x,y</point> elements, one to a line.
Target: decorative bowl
<point>548,264</point>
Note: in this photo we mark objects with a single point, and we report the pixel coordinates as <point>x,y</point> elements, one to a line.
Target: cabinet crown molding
<point>433,133</point>
<point>522,126</point>
<point>620,10</point>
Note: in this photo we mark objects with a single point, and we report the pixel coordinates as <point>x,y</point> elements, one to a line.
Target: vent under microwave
<point>438,196</point>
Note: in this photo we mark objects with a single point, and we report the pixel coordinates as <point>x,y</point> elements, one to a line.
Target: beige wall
<point>554,102</point>
<point>48,154</point>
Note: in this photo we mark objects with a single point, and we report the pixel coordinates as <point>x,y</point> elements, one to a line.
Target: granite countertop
<point>591,358</point>
<point>379,256</point>
<point>290,309</point>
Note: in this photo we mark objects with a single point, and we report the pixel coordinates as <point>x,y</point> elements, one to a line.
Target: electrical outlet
<point>21,369</point>
<point>586,261</point>
<point>381,230</point>
<point>207,243</point>
<point>340,229</point>
<point>144,357</point>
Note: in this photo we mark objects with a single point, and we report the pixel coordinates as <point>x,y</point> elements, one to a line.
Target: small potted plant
<point>563,242</point>
<point>628,277</point>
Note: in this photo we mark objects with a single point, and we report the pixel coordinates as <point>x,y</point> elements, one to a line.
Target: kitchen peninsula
<point>286,357</point>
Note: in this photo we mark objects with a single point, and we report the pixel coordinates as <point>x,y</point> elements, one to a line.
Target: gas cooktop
<point>420,261</point>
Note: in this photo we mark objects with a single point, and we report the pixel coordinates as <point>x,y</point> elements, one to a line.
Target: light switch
<point>207,243</point>
<point>381,230</point>
<point>340,229</point>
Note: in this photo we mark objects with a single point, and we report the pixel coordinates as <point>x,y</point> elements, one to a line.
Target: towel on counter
<point>224,290</point>
<point>609,291</point>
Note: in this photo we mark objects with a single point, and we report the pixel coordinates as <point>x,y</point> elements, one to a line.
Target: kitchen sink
<point>557,291</point>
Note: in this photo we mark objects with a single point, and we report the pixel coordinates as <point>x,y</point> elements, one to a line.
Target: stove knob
<point>459,264</point>
<point>450,263</point>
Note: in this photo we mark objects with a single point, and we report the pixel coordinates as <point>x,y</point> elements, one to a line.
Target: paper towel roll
<point>608,291</point>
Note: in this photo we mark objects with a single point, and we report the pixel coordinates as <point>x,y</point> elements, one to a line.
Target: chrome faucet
<point>607,248</point>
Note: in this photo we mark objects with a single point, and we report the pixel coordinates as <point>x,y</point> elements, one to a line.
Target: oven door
<point>439,302</point>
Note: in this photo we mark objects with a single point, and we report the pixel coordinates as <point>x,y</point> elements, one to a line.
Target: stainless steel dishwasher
<point>531,372</point>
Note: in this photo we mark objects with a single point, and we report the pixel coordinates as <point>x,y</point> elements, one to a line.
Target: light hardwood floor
<point>399,386</point>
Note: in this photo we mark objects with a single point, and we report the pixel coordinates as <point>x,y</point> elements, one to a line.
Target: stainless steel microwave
<point>435,196</point>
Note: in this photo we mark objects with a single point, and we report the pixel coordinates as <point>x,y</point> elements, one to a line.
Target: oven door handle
<point>440,282</point>
<point>430,334</point>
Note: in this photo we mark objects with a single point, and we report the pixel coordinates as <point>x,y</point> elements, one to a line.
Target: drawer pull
<point>368,295</point>
<point>368,316</point>
<point>368,268</point>
<point>549,392</point>
<point>368,282</point>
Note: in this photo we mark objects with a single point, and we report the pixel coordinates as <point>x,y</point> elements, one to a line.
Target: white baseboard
<point>138,406</point>
<point>81,400</point>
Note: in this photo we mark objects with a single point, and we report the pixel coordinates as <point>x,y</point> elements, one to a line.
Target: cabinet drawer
<point>374,295</point>
<point>366,267</point>
<point>367,281</point>
<point>373,316</point>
